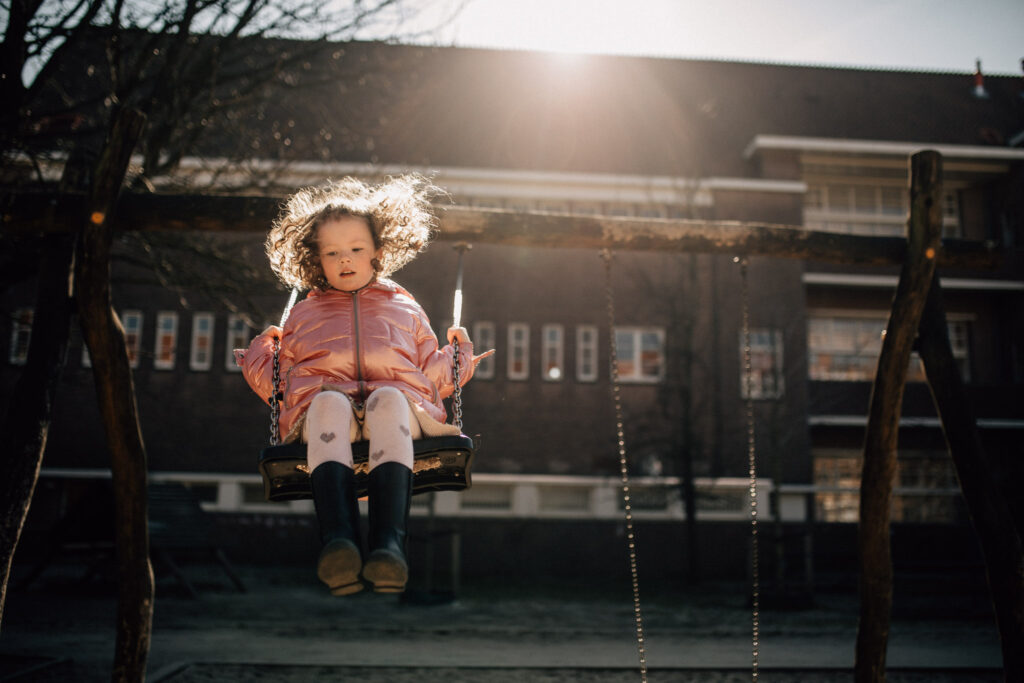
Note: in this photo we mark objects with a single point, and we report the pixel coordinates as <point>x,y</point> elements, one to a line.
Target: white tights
<point>332,425</point>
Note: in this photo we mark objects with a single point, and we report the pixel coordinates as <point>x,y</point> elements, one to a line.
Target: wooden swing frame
<point>917,252</point>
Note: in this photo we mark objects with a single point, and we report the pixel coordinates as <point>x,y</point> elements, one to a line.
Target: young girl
<point>358,360</point>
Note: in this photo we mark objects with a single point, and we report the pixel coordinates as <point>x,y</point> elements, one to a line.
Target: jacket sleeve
<point>258,366</point>
<point>436,363</point>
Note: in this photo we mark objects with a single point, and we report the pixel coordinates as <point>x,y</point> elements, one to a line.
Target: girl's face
<point>347,252</point>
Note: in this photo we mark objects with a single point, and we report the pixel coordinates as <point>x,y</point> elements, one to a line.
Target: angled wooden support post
<point>115,392</point>
<point>987,506</point>
<point>924,233</point>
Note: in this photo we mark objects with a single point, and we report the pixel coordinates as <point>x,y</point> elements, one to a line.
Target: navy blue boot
<point>389,486</point>
<point>337,511</point>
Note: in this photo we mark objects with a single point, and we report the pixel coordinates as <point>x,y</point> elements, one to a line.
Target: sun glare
<point>563,27</point>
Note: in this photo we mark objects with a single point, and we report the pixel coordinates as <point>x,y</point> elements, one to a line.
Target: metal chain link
<point>748,379</point>
<point>275,405</point>
<point>457,397</point>
<point>620,432</point>
<point>275,398</point>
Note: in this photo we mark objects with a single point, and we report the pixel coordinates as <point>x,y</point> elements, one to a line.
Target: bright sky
<point>944,35</point>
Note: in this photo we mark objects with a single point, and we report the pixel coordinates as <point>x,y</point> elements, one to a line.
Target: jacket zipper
<point>358,347</point>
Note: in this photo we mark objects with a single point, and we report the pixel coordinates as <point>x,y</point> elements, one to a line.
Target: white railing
<point>495,495</point>
<point>538,496</point>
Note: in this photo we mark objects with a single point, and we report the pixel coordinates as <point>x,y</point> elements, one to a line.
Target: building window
<point>483,340</point>
<point>869,209</point>
<point>166,340</point>
<point>551,206</point>
<point>586,353</point>
<point>519,205</point>
<point>201,354</point>
<point>641,353</point>
<point>766,379</point>
<point>518,351</point>
<point>650,211</point>
<point>238,338</point>
<point>21,336</point>
<point>553,352</point>
<point>487,203</point>
<point>926,489</point>
<point>586,209</point>
<point>845,348</point>
<point>132,322</point>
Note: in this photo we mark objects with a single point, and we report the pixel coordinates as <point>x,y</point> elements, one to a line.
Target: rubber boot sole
<point>386,571</point>
<point>339,566</point>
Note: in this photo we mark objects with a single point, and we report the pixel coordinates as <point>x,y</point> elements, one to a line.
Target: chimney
<point>979,82</point>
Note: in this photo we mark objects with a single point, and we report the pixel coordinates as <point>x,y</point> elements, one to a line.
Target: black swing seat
<point>441,463</point>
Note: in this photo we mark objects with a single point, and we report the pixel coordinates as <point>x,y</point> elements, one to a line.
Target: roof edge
<point>878,147</point>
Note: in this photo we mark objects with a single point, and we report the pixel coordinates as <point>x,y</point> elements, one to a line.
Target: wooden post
<point>987,506</point>
<point>27,421</point>
<point>116,399</point>
<point>880,443</point>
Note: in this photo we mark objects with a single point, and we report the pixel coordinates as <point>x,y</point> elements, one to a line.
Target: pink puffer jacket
<point>356,343</point>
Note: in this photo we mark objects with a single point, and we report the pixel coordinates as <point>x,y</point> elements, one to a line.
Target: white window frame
<point>621,209</point>
<point>487,203</point>
<point>586,209</point>
<point>859,206</point>
<point>518,345</point>
<point>238,336</point>
<point>21,335</point>
<point>483,340</point>
<point>170,348</point>
<point>638,376</point>
<point>586,345</point>
<point>132,321</point>
<point>195,361</point>
<point>767,376</point>
<point>552,206</point>
<point>552,352</point>
<point>959,339</point>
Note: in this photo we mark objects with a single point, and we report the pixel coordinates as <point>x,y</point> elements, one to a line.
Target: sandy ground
<point>285,629</point>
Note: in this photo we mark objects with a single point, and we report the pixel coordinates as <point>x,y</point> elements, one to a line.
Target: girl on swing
<point>358,360</point>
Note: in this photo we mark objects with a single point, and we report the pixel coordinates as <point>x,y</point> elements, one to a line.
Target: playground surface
<point>286,628</point>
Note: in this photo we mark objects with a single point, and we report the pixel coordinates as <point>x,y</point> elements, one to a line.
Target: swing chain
<point>275,397</point>
<point>620,433</point>
<point>748,380</point>
<point>275,404</point>
<point>457,397</point>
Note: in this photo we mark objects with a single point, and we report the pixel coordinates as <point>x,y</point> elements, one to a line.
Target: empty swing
<point>441,463</point>
<point>631,546</point>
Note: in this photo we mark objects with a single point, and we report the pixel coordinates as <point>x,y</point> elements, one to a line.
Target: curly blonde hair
<point>397,210</point>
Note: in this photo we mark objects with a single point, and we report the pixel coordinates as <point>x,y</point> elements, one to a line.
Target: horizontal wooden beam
<point>695,236</point>
<point>231,213</point>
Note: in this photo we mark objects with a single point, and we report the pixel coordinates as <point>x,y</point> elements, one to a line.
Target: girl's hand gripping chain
<point>462,336</point>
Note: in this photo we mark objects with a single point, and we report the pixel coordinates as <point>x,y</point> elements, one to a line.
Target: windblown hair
<point>398,211</point>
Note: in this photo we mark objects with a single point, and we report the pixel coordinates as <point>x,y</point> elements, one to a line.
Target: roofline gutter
<point>890,282</point>
<point>876,147</point>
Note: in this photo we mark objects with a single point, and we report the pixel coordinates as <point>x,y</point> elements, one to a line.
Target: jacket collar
<point>380,284</point>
